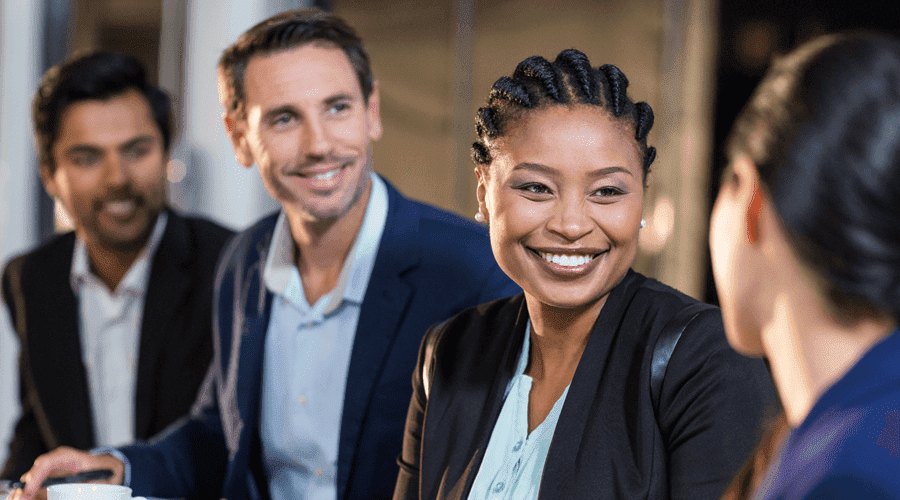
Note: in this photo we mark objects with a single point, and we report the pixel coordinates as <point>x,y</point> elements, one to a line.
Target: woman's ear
<point>481,192</point>
<point>754,210</point>
<point>748,186</point>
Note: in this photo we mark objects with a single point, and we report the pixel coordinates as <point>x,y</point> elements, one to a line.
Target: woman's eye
<point>535,188</point>
<point>608,191</point>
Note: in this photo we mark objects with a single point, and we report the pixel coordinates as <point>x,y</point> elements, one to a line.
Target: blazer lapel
<point>565,447</point>
<point>54,351</point>
<point>491,406</point>
<point>382,312</point>
<point>169,283</point>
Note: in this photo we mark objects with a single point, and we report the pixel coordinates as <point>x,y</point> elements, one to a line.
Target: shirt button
<point>319,472</point>
<point>499,487</point>
<point>301,400</point>
<point>518,446</point>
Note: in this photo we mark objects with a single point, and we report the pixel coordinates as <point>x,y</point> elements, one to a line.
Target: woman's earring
<point>479,217</point>
<point>643,223</point>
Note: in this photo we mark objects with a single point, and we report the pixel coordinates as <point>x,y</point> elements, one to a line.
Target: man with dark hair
<point>113,318</point>
<point>320,308</point>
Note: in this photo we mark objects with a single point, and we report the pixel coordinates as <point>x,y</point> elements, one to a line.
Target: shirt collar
<point>282,278</point>
<point>135,280</point>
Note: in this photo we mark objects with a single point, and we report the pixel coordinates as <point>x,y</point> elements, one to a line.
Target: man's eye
<point>85,159</point>
<point>136,152</point>
<point>282,119</point>
<point>338,107</point>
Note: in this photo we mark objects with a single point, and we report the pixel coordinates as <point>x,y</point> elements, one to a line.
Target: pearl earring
<point>479,217</point>
<point>643,223</point>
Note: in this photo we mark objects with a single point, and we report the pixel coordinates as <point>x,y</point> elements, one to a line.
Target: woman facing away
<point>805,240</point>
<point>550,393</point>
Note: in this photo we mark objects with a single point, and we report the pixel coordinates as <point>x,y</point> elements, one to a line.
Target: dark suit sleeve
<point>189,458</point>
<point>27,443</point>
<point>410,459</point>
<point>497,285</point>
<point>712,404</point>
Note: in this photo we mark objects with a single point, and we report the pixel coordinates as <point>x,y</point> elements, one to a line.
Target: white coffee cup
<point>89,491</point>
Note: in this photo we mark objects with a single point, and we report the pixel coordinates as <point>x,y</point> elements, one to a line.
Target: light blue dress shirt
<point>307,355</point>
<point>514,460</point>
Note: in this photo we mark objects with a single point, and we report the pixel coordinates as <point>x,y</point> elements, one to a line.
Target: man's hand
<point>65,461</point>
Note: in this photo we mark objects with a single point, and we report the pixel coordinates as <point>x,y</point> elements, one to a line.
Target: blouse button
<point>518,446</point>
<point>499,487</point>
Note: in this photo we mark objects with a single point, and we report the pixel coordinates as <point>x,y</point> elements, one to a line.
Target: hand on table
<point>65,461</point>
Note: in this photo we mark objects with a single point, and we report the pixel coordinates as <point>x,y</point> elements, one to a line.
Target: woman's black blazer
<point>609,442</point>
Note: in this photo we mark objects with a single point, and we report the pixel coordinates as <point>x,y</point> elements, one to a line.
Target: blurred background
<point>694,61</point>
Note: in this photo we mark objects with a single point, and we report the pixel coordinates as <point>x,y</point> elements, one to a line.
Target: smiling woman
<point>548,394</point>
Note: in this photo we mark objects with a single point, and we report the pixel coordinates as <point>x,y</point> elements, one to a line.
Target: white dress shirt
<point>110,335</point>
<point>307,355</point>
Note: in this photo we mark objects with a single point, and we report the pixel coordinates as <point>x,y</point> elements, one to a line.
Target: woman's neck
<point>809,349</point>
<point>558,337</point>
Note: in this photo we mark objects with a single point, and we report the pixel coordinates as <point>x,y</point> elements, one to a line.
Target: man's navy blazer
<point>430,265</point>
<point>175,339</point>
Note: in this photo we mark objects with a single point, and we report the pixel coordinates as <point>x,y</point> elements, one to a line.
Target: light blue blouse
<point>514,460</point>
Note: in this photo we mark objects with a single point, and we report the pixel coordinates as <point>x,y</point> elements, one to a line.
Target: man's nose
<point>117,173</point>
<point>316,140</point>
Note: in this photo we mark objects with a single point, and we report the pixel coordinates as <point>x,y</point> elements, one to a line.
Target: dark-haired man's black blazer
<point>175,339</point>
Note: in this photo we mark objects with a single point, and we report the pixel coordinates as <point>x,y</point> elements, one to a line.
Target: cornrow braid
<point>537,83</point>
<point>512,90</point>
<point>578,65</point>
<point>618,84</point>
<point>542,74</point>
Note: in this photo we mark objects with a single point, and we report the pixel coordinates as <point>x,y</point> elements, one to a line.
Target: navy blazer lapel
<point>241,319</point>
<point>168,283</point>
<point>54,348</point>
<point>383,309</point>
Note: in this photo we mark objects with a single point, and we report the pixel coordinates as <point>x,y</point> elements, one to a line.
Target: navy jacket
<point>848,446</point>
<point>430,265</point>
<point>175,340</point>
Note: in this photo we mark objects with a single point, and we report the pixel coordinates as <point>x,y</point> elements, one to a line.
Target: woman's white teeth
<point>326,175</point>
<point>567,260</point>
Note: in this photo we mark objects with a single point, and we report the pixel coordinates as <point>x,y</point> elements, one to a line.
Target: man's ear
<point>373,113</point>
<point>49,181</point>
<point>237,132</point>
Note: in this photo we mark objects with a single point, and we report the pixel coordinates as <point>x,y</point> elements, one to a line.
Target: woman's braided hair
<point>570,79</point>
